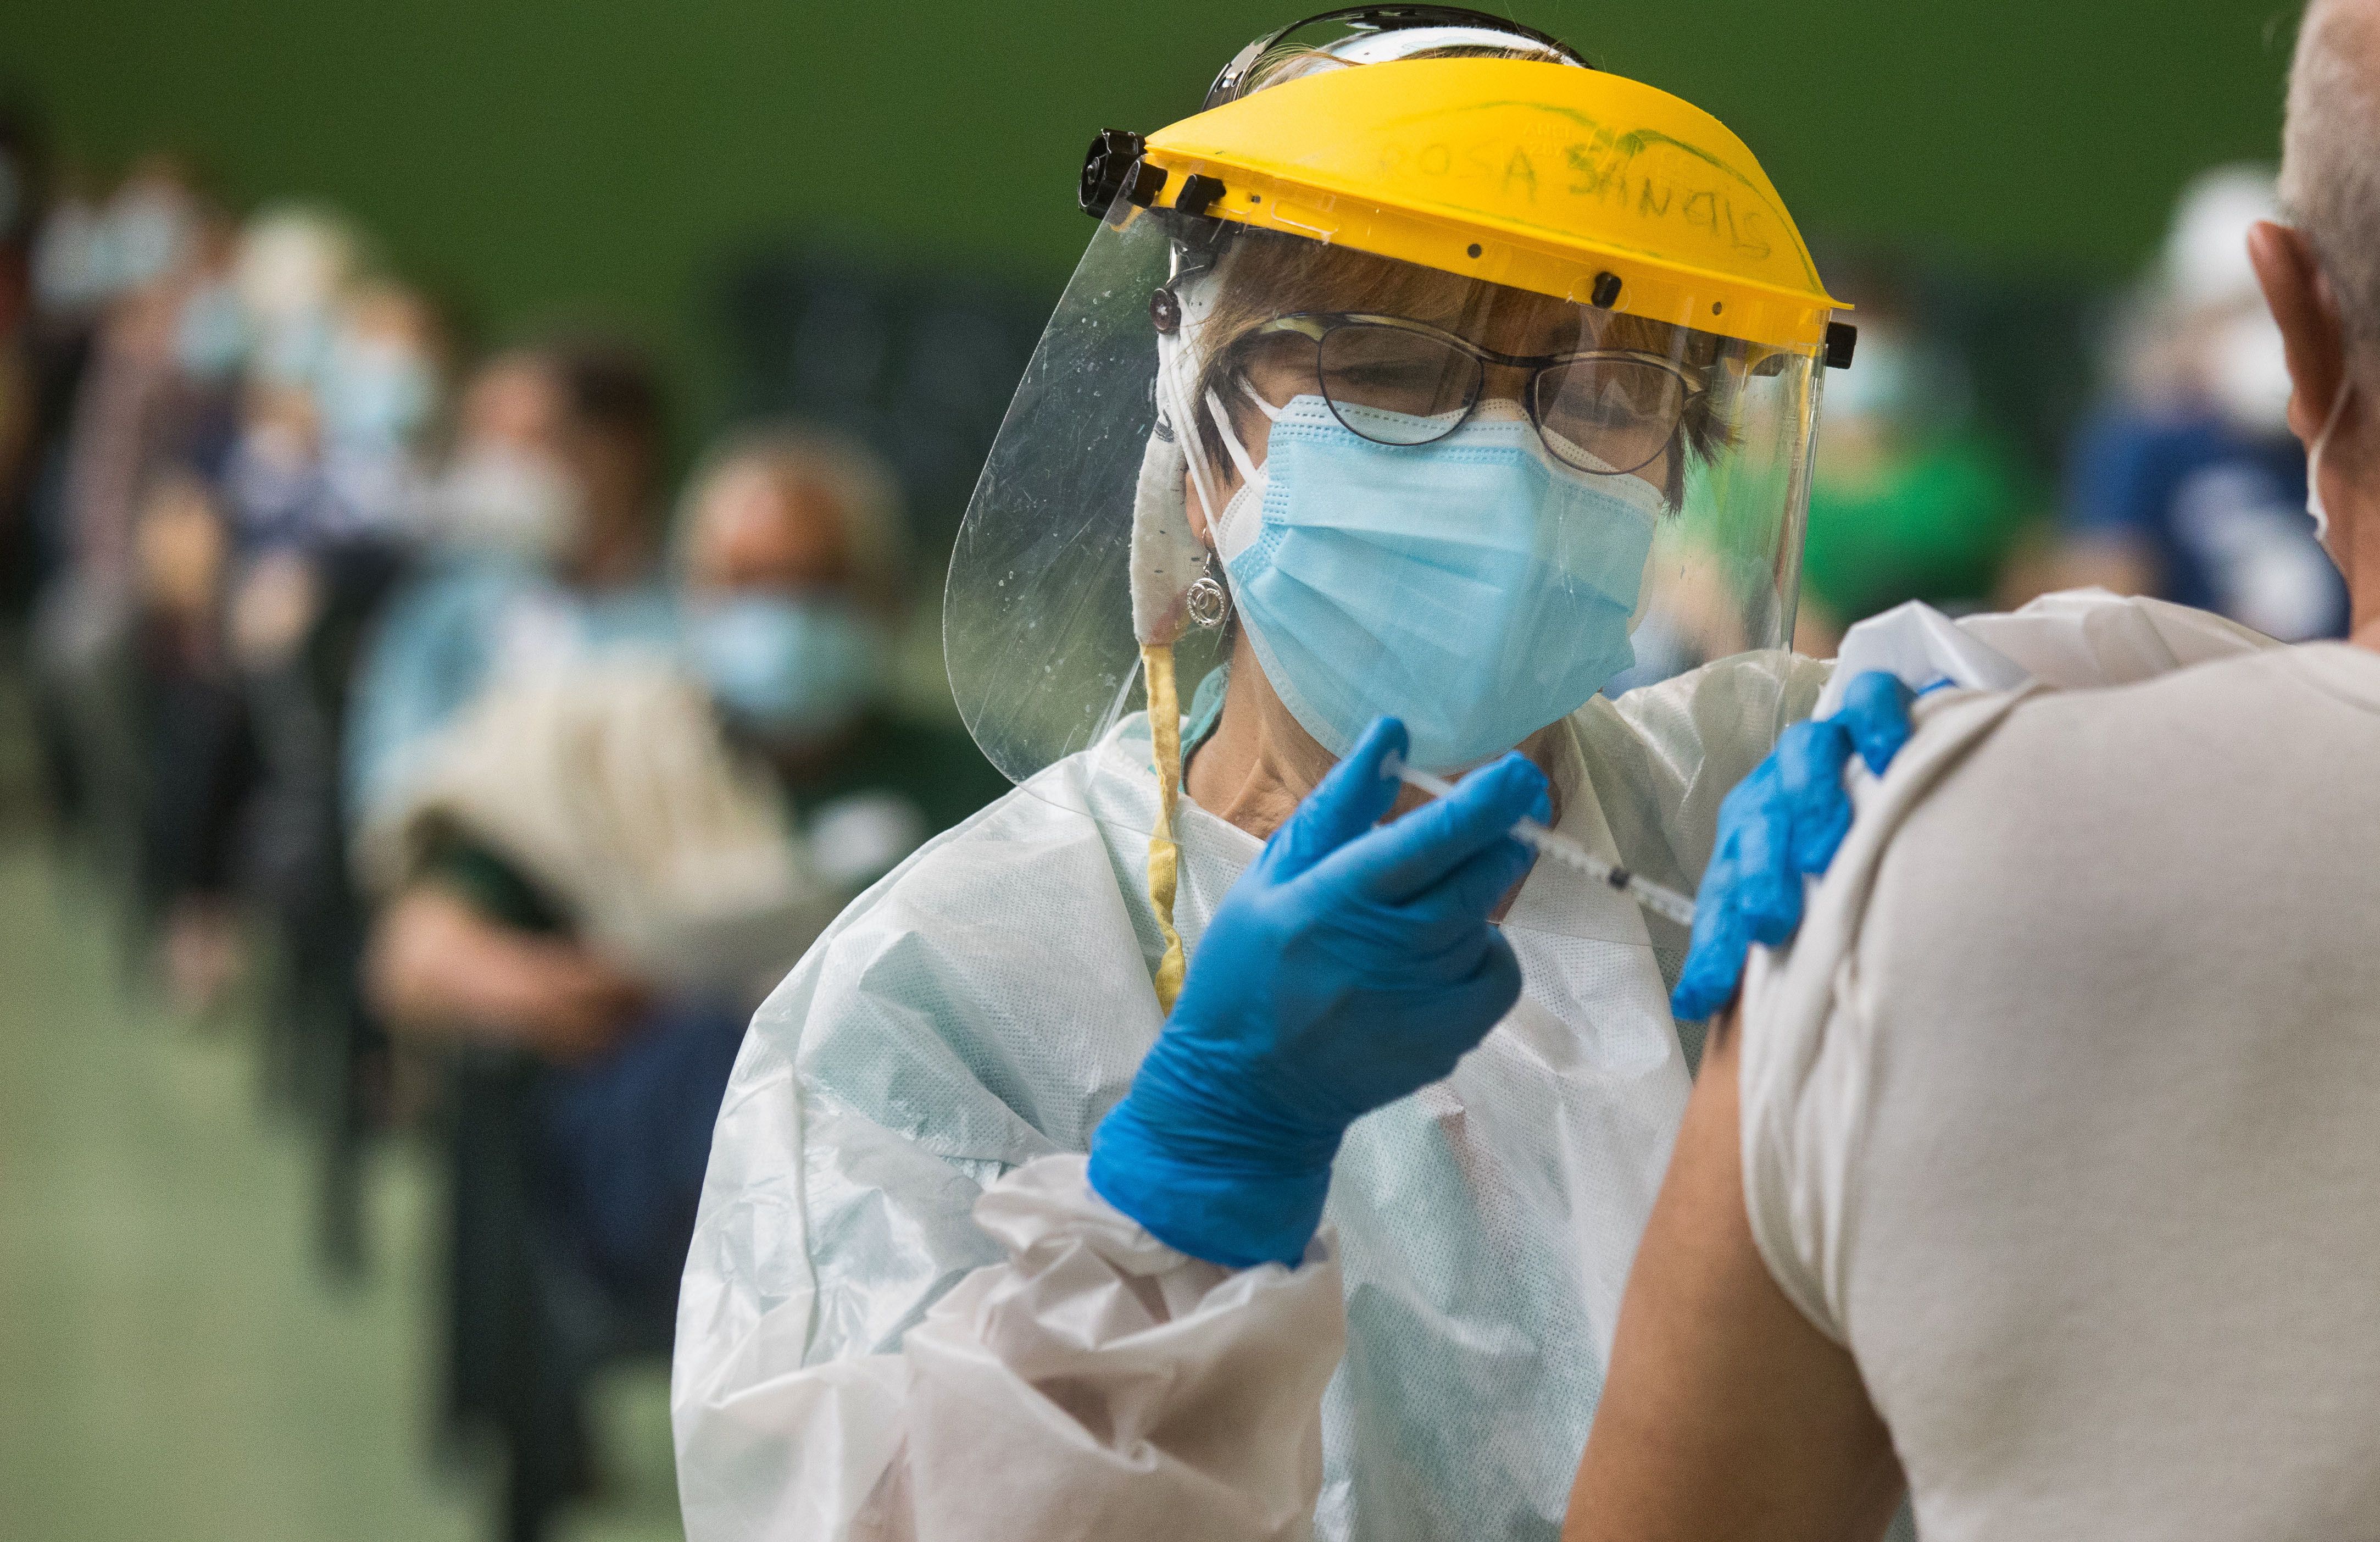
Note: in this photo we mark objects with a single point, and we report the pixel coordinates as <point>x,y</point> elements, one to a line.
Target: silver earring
<point>1207,600</point>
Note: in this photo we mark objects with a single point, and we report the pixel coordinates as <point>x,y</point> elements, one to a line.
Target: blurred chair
<point>324,1054</point>
<point>526,1325</point>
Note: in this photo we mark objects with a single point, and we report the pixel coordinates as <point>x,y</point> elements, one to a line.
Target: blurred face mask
<point>144,235</point>
<point>375,396</point>
<point>291,351</point>
<point>787,667</point>
<point>210,333</point>
<point>2251,374</point>
<point>1473,587</point>
<point>500,498</point>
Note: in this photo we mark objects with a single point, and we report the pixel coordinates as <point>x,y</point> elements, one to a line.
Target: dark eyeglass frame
<point>1319,324</point>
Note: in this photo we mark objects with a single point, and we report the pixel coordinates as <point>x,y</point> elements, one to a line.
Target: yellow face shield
<point>1531,175</point>
<point>1461,387</point>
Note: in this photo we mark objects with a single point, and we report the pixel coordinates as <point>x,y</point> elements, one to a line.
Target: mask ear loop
<point>2314,460</point>
<point>1241,459</point>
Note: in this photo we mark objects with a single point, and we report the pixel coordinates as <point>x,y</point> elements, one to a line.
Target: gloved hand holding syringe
<point>1548,841</point>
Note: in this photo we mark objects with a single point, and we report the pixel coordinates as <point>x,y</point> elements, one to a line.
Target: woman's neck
<point>1257,763</point>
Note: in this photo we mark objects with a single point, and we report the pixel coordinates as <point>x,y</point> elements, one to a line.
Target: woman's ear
<point>2307,314</point>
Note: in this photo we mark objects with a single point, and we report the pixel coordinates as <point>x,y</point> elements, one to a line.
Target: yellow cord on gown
<point>1164,856</point>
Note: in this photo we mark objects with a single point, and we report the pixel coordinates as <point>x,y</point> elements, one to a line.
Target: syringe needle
<point>1655,897</point>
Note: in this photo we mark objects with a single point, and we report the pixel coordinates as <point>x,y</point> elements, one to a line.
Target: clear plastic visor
<point>1364,486</point>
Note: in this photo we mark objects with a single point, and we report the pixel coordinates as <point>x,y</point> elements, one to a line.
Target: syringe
<point>1548,841</point>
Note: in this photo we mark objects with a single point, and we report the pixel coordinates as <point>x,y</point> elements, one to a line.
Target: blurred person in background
<point>21,394</point>
<point>344,372</point>
<point>2189,487</point>
<point>329,478</point>
<point>127,663</point>
<point>1911,498</point>
<point>198,760</point>
<point>543,532</point>
<point>607,866</point>
<point>795,570</point>
<point>268,321</point>
<point>128,265</point>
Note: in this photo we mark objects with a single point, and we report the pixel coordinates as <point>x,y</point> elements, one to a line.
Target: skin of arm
<point>2122,563</point>
<point>437,968</point>
<point>1726,1414</point>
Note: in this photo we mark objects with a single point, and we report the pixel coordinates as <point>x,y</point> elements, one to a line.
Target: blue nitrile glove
<point>1348,966</point>
<point>1783,821</point>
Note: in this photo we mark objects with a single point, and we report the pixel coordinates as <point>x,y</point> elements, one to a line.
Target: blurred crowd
<point>2179,479</point>
<point>394,684</point>
<point>392,679</point>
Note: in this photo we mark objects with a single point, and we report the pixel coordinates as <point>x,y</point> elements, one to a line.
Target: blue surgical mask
<point>147,232</point>
<point>290,350</point>
<point>1473,587</point>
<point>375,397</point>
<point>789,668</point>
<point>211,334</point>
<point>499,499</point>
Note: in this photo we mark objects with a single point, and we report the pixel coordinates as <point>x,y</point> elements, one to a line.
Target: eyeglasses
<point>1394,381</point>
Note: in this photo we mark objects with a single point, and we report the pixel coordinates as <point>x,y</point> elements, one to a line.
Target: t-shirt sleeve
<point>1800,1113</point>
<point>1811,1020</point>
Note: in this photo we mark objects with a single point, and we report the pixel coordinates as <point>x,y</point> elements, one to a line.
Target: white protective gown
<point>884,1334</point>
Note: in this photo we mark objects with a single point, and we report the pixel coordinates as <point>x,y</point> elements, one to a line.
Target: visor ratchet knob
<point>1114,165</point>
<point>1198,193</point>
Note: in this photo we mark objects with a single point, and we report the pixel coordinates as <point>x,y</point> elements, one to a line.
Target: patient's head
<point>791,557</point>
<point>2321,274</point>
<point>793,511</point>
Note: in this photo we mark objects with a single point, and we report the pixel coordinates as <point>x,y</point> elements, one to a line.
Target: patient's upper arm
<point>1726,1412</point>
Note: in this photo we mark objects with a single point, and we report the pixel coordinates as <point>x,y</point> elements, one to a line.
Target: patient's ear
<point>2307,313</point>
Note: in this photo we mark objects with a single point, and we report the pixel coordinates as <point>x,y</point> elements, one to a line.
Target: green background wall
<point>572,156</point>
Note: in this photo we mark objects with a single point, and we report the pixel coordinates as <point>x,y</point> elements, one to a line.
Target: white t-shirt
<point>2063,1113</point>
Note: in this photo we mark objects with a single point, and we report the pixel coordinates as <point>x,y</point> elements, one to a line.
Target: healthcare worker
<point>1428,373</point>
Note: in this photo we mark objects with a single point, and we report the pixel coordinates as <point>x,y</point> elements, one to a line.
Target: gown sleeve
<point>905,1313</point>
<point>1663,755</point>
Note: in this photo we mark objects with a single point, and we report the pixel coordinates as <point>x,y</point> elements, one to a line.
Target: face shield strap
<point>1167,557</point>
<point>1376,30</point>
<point>1177,371</point>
